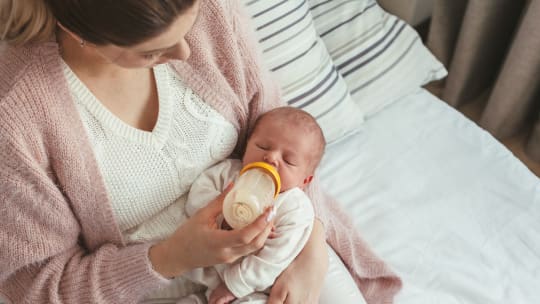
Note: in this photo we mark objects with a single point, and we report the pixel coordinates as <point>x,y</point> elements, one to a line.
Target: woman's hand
<point>198,242</point>
<point>302,281</point>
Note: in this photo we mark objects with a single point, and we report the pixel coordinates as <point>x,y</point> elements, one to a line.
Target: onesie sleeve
<point>211,183</point>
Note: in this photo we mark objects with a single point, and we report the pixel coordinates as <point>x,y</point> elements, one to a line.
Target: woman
<point>97,139</point>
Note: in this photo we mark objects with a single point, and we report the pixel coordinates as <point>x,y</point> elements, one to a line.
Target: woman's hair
<point>102,22</point>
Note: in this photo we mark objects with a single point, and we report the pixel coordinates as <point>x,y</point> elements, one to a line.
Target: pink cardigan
<point>59,242</point>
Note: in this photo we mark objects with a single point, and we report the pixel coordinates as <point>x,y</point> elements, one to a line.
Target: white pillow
<point>380,56</point>
<point>298,58</point>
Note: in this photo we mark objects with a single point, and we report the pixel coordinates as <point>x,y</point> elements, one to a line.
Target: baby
<point>290,140</point>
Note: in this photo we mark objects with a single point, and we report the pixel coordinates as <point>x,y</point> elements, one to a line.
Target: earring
<point>82,43</point>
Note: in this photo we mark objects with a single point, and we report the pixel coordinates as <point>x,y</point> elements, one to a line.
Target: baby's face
<point>286,148</point>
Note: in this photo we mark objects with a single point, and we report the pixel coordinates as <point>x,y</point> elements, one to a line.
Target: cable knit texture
<point>59,241</point>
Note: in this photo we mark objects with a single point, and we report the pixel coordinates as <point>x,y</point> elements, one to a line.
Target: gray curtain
<point>492,46</point>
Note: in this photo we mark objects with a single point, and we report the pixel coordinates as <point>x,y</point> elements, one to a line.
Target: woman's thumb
<point>215,207</point>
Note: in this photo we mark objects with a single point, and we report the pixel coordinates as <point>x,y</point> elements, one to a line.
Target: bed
<point>448,207</point>
<point>442,202</point>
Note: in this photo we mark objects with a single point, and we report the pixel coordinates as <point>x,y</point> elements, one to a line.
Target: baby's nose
<point>271,159</point>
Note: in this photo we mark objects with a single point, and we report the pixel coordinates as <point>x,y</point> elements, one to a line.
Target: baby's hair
<point>302,119</point>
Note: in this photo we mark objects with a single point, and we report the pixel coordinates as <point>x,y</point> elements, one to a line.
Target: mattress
<point>447,206</point>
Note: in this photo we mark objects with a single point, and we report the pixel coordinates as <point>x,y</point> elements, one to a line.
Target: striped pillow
<point>296,55</point>
<point>380,56</point>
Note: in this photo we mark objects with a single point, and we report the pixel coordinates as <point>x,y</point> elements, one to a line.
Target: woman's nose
<point>181,52</point>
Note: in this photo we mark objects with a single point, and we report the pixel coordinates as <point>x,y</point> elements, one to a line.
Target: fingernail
<point>271,215</point>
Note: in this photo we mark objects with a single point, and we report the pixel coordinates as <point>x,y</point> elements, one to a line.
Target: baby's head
<point>289,139</point>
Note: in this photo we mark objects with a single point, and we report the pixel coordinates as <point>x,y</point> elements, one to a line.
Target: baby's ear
<point>308,180</point>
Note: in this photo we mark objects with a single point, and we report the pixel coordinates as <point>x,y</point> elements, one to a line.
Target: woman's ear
<point>73,35</point>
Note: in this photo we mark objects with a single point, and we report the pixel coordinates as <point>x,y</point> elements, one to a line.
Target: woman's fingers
<point>241,242</point>
<point>247,235</point>
<point>224,246</point>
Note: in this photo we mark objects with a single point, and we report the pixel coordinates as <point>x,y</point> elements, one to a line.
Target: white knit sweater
<point>148,174</point>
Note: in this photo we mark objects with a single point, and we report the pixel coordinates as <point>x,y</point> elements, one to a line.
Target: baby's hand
<point>221,295</point>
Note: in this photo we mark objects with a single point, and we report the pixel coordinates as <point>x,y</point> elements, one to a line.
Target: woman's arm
<point>43,256</point>
<point>302,281</point>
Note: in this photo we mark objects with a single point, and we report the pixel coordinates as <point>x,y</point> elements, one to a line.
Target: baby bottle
<point>255,189</point>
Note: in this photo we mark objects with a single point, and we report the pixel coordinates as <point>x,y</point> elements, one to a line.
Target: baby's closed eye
<point>262,147</point>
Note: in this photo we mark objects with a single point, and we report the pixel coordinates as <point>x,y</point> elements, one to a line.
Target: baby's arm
<point>293,224</point>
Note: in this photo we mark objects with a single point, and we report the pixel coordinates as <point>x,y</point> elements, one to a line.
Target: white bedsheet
<point>449,208</point>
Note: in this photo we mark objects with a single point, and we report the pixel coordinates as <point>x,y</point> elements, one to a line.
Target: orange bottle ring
<point>268,168</point>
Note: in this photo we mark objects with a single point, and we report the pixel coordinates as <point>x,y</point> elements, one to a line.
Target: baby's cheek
<point>285,181</point>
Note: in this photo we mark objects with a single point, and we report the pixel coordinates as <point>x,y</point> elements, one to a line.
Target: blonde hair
<point>25,21</point>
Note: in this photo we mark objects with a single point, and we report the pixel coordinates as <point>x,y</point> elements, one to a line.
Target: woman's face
<point>169,45</point>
